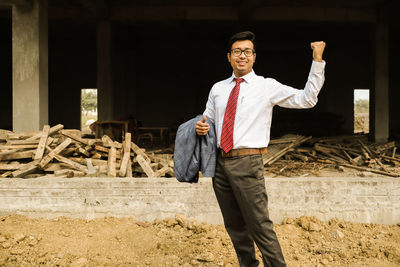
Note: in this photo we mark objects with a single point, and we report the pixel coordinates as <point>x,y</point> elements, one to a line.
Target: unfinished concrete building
<point>157,62</point>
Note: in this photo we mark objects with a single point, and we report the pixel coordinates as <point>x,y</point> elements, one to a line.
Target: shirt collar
<point>248,78</point>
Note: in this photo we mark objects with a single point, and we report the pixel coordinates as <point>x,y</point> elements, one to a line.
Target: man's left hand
<point>318,50</point>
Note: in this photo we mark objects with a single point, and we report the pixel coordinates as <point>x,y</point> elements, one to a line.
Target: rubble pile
<point>55,151</point>
<point>353,152</point>
<point>64,153</point>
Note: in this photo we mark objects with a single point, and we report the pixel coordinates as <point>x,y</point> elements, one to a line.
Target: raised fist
<point>318,50</point>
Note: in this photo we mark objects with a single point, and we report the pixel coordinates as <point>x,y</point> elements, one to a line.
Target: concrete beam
<point>90,5</point>
<point>247,9</point>
<point>251,13</point>
<point>16,2</point>
<point>381,94</point>
<point>30,66</point>
<point>315,14</point>
<point>222,13</point>
<point>97,8</point>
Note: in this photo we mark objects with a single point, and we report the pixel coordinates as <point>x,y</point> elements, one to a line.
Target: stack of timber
<point>55,151</point>
<point>353,152</point>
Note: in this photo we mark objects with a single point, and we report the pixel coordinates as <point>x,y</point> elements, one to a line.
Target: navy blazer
<point>194,153</point>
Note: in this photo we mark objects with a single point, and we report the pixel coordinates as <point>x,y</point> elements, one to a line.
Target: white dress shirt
<point>257,97</point>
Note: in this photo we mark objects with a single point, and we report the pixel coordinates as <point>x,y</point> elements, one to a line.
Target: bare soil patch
<point>180,242</point>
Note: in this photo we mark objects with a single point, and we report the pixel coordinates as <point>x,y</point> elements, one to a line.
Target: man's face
<point>242,64</point>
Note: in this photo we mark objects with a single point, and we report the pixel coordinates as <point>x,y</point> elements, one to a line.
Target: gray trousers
<point>239,186</point>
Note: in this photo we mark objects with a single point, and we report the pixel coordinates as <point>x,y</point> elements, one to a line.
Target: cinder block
<point>354,199</point>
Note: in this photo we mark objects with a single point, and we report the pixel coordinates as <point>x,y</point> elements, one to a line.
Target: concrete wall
<point>369,200</point>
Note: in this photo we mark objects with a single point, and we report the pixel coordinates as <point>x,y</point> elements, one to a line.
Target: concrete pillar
<point>104,77</point>
<point>30,66</point>
<point>381,96</point>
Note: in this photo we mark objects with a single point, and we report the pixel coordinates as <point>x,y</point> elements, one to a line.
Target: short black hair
<point>241,36</point>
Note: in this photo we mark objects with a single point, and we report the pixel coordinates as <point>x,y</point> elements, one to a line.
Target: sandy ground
<point>180,242</point>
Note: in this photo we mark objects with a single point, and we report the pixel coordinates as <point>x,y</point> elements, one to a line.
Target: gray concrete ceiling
<point>128,11</point>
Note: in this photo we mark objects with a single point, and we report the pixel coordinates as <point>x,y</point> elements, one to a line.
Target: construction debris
<point>346,151</point>
<point>64,153</point>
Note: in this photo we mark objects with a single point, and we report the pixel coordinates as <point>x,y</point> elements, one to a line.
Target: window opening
<point>361,110</point>
<point>88,109</point>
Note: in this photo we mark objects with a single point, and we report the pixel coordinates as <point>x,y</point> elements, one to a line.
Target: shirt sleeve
<point>210,106</point>
<point>289,97</point>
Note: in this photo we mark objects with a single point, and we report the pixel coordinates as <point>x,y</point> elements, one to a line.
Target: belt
<point>243,152</point>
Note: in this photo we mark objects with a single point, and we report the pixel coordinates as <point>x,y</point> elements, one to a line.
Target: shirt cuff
<point>318,67</point>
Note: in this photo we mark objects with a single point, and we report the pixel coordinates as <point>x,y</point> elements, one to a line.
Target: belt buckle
<point>226,155</point>
<point>222,152</point>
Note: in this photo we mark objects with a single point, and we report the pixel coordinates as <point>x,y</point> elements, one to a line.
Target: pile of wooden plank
<point>347,151</point>
<point>64,153</point>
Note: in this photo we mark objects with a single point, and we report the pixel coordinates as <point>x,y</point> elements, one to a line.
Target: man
<point>241,109</point>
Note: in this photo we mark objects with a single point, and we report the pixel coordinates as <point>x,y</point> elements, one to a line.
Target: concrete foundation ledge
<point>369,200</point>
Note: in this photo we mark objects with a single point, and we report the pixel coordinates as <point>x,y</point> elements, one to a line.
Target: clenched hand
<point>202,127</point>
<point>318,50</point>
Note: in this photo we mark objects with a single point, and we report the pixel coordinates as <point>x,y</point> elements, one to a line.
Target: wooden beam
<point>129,168</point>
<point>22,136</point>
<point>52,130</point>
<point>54,152</point>
<point>140,152</point>
<point>74,137</point>
<point>18,155</point>
<point>6,174</point>
<point>26,169</point>
<point>82,150</point>
<point>42,143</point>
<point>111,166</point>
<point>52,167</point>
<point>17,147</point>
<point>23,142</point>
<point>145,166</point>
<point>161,172</point>
<point>108,142</point>
<point>10,167</point>
<point>126,156</point>
<point>71,163</point>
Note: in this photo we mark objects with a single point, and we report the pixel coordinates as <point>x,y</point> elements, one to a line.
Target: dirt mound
<point>310,242</point>
<point>180,242</point>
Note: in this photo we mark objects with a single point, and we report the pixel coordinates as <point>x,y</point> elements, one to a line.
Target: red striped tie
<point>229,118</point>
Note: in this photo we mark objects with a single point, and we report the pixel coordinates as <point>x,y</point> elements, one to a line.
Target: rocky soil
<point>180,242</point>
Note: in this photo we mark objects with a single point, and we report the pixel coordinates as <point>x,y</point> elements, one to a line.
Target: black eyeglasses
<point>247,52</point>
